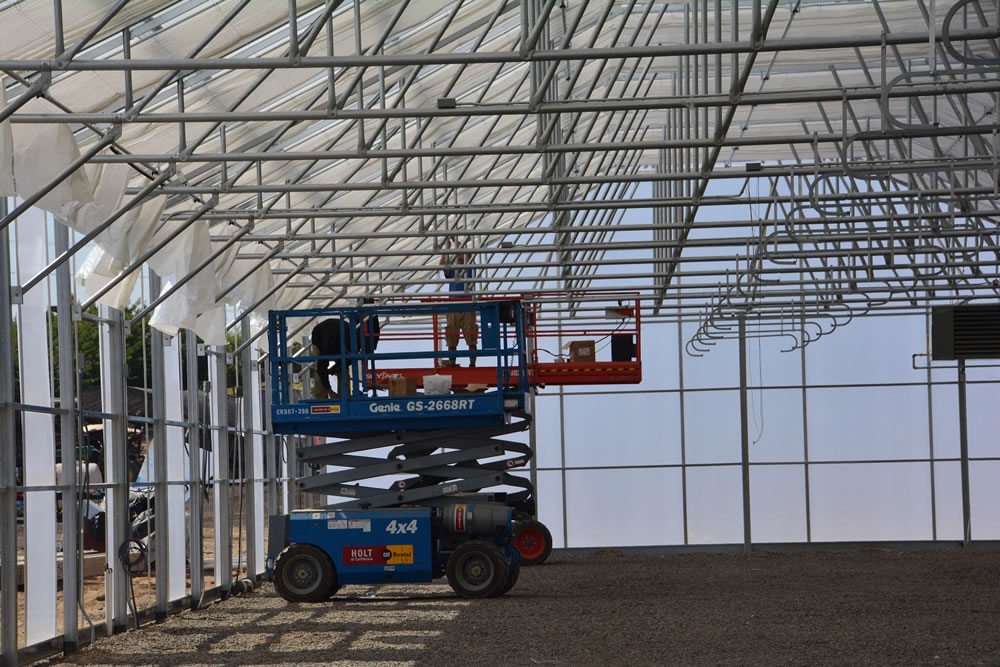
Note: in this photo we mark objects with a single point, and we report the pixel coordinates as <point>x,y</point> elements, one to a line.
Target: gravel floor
<point>610,607</point>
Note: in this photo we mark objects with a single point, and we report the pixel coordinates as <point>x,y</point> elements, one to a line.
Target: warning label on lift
<point>324,409</point>
<point>391,554</point>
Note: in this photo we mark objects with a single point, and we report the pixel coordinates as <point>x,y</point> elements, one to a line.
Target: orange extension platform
<point>540,373</point>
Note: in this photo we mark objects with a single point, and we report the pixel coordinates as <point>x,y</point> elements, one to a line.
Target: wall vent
<point>965,332</point>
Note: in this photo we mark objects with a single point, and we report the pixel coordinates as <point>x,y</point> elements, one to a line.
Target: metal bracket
<point>16,295</point>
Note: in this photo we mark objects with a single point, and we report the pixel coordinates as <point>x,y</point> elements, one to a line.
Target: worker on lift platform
<point>461,323</point>
<point>333,337</point>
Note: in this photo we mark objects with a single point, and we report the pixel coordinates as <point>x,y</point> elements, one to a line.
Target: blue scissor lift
<point>444,449</point>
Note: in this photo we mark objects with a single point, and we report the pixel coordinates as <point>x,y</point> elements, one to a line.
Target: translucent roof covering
<point>774,159</point>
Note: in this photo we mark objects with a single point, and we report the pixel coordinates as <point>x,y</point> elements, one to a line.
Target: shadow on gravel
<point>615,608</point>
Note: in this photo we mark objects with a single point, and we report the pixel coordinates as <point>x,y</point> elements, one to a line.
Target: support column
<point>68,420</point>
<point>223,522</point>
<point>195,421</point>
<point>963,443</point>
<point>249,482</point>
<point>159,457</point>
<point>8,479</point>
<point>113,392</point>
<point>744,436</point>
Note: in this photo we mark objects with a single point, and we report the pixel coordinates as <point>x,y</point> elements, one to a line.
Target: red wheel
<point>534,541</point>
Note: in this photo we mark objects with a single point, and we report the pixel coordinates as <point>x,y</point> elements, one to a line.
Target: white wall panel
<point>944,402</point>
<point>257,465</point>
<point>177,467</point>
<point>778,503</point>
<point>712,426</point>
<point>715,505</point>
<point>870,501</point>
<point>984,498</point>
<point>948,500</point>
<point>624,430</point>
<point>869,349</point>
<point>865,423</point>
<point>550,505</point>
<point>38,430</point>
<point>983,415</point>
<point>631,507</point>
<point>774,426</point>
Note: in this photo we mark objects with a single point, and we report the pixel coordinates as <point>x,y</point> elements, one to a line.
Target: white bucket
<point>437,384</point>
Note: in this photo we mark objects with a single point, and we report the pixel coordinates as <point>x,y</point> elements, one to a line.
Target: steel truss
<point>528,129</point>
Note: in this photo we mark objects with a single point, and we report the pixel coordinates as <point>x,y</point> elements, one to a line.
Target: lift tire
<point>304,573</point>
<point>513,572</point>
<point>477,570</point>
<point>533,540</point>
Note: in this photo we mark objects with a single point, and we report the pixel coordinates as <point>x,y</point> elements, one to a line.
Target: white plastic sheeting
<point>39,434</point>
<point>177,471</point>
<point>41,154</point>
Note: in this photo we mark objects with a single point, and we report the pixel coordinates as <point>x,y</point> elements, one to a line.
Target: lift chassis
<point>411,481</point>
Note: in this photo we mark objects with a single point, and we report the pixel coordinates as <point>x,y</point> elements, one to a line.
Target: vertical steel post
<point>270,447</point>
<point>67,436</point>
<point>682,426</point>
<point>744,435</point>
<point>963,443</point>
<point>220,450</point>
<point>159,408</point>
<point>248,453</point>
<point>194,420</point>
<point>8,479</point>
<point>113,390</point>
<point>805,429</point>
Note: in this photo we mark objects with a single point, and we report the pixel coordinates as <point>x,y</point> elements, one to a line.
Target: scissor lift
<point>443,450</point>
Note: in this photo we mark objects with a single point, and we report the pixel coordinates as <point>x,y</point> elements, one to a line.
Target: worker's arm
<point>446,269</point>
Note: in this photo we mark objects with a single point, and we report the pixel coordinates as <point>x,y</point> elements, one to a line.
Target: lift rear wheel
<point>304,573</point>
<point>533,540</point>
<point>477,570</point>
<point>513,572</point>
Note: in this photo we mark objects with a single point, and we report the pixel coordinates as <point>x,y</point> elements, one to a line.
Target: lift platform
<point>600,345</point>
<point>370,400</point>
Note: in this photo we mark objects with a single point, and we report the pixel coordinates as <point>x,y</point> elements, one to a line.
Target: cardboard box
<point>401,386</point>
<point>437,384</point>
<point>583,350</point>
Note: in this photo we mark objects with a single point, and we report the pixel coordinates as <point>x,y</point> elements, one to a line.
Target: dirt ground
<point>613,607</point>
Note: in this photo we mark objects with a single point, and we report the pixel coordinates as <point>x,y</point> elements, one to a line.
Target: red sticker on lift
<point>460,518</point>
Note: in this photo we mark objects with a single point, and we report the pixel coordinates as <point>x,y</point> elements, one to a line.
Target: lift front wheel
<point>533,540</point>
<point>304,573</point>
<point>477,570</point>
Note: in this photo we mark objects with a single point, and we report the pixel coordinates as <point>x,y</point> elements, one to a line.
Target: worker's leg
<point>451,335</point>
<point>321,379</point>
<point>471,330</point>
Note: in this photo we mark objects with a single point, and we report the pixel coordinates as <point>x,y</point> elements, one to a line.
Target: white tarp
<point>41,153</point>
